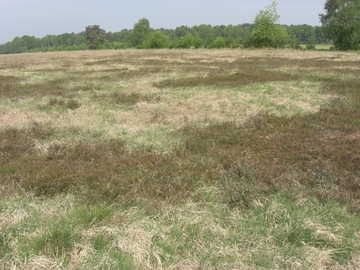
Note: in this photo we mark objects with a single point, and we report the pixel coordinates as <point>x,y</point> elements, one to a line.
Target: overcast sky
<point>41,17</point>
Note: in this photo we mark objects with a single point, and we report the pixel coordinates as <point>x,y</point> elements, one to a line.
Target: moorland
<point>180,159</point>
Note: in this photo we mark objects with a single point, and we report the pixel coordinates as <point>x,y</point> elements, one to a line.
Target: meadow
<point>180,159</point>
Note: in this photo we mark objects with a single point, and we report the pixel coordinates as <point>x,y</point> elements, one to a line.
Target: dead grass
<point>116,96</point>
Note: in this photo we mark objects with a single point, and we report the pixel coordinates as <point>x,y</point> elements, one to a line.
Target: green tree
<point>157,40</point>
<point>233,35</point>
<point>182,31</point>
<point>119,45</point>
<point>319,36</point>
<point>18,45</point>
<point>95,36</point>
<point>79,39</point>
<point>186,41</point>
<point>281,37</point>
<point>140,32</point>
<point>30,42</point>
<point>294,42</point>
<point>123,37</point>
<point>230,42</point>
<point>265,28</point>
<point>197,42</point>
<point>205,32</point>
<point>218,30</point>
<point>303,33</point>
<point>218,43</point>
<point>341,23</point>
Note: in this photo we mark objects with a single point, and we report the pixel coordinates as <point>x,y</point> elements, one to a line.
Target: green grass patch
<point>323,46</point>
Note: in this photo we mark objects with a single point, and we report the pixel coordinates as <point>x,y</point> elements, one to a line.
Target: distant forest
<point>200,36</point>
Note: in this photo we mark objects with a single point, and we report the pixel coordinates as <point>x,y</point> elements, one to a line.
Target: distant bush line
<point>200,36</point>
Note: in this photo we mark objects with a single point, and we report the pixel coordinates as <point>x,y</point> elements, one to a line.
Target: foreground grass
<point>282,232</point>
<point>178,159</point>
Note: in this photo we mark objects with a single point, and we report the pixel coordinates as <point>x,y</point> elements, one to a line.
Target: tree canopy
<point>95,35</point>
<point>140,32</point>
<point>157,40</point>
<point>266,31</point>
<point>341,23</point>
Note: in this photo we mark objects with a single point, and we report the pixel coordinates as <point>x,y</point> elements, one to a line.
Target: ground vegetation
<point>180,159</point>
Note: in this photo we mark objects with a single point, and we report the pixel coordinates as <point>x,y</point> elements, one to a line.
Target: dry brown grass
<point>145,99</point>
<point>96,76</point>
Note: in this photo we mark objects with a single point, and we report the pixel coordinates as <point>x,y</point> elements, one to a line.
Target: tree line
<point>340,25</point>
<point>199,36</point>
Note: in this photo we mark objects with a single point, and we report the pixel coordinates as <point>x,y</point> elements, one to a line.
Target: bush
<point>218,43</point>
<point>310,46</point>
<point>157,40</point>
<point>197,42</point>
<point>83,47</point>
<point>249,42</point>
<point>119,45</point>
<point>186,41</point>
<point>104,46</point>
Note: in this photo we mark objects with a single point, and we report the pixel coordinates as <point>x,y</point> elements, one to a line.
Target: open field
<point>180,159</point>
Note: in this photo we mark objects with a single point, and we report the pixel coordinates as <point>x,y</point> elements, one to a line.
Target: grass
<point>323,46</point>
<point>277,233</point>
<point>206,159</point>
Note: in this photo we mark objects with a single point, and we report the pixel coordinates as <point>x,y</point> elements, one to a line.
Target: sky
<point>42,17</point>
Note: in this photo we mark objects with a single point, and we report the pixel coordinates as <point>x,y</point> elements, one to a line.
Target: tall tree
<point>30,42</point>
<point>265,28</point>
<point>140,32</point>
<point>341,23</point>
<point>95,35</point>
<point>182,31</point>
